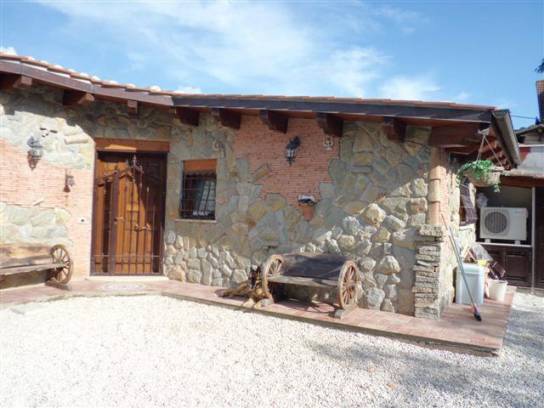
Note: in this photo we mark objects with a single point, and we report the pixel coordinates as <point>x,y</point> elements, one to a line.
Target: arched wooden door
<point>129,194</point>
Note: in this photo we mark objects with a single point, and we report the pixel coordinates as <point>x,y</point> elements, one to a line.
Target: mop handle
<point>460,263</point>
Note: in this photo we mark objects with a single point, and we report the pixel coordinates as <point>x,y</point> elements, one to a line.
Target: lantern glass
<point>291,150</point>
<point>35,151</point>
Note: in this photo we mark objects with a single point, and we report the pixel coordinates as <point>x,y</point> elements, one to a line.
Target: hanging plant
<point>481,173</point>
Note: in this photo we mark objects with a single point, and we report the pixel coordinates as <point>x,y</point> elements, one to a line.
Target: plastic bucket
<point>497,290</point>
<point>475,277</point>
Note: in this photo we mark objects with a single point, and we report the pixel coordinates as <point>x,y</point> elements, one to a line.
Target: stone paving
<point>457,328</point>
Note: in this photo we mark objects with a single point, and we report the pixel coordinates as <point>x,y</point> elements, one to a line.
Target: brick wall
<point>261,146</point>
<point>41,191</point>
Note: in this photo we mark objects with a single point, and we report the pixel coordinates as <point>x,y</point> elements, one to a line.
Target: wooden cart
<point>323,271</point>
<point>16,259</point>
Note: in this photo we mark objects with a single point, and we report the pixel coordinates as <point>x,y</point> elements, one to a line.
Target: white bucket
<point>497,290</point>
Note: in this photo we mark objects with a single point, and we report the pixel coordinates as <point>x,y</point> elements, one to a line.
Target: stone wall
<point>372,193</point>
<point>372,198</point>
<point>34,206</point>
<point>436,262</point>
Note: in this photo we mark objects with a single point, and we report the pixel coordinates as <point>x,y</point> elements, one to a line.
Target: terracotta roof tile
<point>153,90</point>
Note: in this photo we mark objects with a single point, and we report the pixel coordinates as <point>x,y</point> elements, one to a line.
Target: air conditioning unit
<point>503,223</point>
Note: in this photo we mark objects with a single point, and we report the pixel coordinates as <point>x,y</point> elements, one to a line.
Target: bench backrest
<point>12,255</point>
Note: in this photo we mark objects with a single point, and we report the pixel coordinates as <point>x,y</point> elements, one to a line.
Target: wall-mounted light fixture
<point>35,152</point>
<point>328,142</point>
<point>69,181</point>
<point>291,149</point>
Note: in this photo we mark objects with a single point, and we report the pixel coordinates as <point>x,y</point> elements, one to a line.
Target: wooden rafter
<point>276,121</point>
<point>394,129</point>
<point>76,98</point>
<point>10,81</point>
<point>227,117</point>
<point>132,107</point>
<point>188,116</point>
<point>330,124</point>
<point>454,136</point>
<point>464,150</point>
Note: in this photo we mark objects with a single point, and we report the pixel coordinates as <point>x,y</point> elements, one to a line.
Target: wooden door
<point>539,237</point>
<point>128,213</point>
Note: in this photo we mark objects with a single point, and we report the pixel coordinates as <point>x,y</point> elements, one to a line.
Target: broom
<point>475,309</point>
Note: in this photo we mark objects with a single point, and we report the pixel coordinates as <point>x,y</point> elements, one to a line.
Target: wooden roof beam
<point>188,116</point>
<point>11,81</point>
<point>394,129</point>
<point>227,117</point>
<point>274,120</point>
<point>330,124</point>
<point>465,150</point>
<point>132,107</point>
<point>76,98</point>
<point>454,136</point>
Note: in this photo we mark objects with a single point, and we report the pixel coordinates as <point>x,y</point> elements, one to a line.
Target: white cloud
<point>189,90</point>
<point>462,96</point>
<point>263,47</point>
<point>8,50</point>
<point>406,19</point>
<point>415,88</point>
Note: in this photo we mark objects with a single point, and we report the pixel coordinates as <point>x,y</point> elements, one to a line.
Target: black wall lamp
<point>291,149</point>
<point>69,181</point>
<point>35,152</point>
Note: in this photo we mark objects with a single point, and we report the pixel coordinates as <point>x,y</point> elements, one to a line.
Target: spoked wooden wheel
<point>348,283</point>
<point>63,272</point>
<point>271,267</point>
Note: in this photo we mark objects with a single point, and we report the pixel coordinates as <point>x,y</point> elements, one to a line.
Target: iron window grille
<point>198,195</point>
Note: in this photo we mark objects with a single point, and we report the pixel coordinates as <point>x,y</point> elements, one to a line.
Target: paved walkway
<point>457,328</point>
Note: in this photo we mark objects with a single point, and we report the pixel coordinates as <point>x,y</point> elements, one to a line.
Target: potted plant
<point>481,173</point>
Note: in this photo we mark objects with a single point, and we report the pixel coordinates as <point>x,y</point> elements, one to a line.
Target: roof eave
<point>503,122</point>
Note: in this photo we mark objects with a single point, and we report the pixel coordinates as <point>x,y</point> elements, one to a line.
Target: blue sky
<point>480,52</point>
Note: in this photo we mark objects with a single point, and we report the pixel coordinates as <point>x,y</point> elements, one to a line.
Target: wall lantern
<point>69,181</point>
<point>291,149</point>
<point>35,152</point>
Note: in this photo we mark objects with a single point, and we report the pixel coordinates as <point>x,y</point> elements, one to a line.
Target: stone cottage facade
<point>383,180</point>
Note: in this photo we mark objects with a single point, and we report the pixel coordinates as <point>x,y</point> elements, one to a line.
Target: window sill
<point>195,220</point>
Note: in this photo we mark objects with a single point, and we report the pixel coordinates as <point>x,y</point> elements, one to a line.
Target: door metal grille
<point>129,215</point>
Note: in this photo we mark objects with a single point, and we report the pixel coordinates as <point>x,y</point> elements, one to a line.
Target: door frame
<point>105,145</point>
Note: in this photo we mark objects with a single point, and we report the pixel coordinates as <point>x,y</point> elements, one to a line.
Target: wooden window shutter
<point>470,213</point>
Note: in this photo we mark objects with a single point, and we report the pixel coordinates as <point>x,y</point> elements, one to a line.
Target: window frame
<point>198,180</point>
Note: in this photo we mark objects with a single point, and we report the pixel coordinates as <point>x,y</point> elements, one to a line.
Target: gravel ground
<point>156,351</point>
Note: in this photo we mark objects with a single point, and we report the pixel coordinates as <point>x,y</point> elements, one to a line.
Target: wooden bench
<point>325,271</point>
<point>19,259</point>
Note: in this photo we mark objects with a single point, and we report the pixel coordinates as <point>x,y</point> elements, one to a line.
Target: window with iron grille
<point>198,190</point>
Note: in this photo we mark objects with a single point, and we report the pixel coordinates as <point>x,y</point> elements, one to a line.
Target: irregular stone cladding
<point>371,191</point>
<point>427,271</point>
<point>34,208</point>
<point>436,263</point>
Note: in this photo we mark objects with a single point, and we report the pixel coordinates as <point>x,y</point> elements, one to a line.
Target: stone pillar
<point>426,287</point>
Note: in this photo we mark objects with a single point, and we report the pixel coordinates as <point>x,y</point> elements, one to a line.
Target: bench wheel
<point>60,255</point>
<point>348,283</point>
<point>271,267</point>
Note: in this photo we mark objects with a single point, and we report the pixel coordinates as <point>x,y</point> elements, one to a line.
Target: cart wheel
<point>271,267</point>
<point>63,273</point>
<point>348,283</point>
